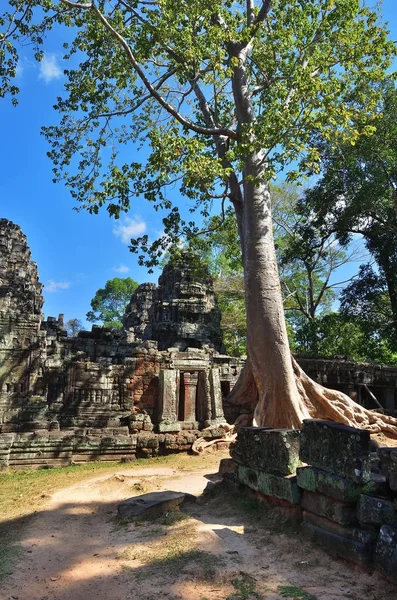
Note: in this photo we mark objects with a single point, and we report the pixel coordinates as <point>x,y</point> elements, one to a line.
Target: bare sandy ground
<point>74,549</point>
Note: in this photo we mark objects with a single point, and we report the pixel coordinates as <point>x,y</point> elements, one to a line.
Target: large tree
<point>109,303</point>
<point>225,93</point>
<point>357,194</point>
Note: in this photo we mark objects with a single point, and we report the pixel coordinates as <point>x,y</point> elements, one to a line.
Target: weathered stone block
<point>393,481</point>
<point>335,510</point>
<point>270,450</point>
<point>388,459</point>
<point>363,536</point>
<point>386,552</point>
<point>276,486</point>
<point>376,511</point>
<point>169,427</point>
<point>388,465</point>
<point>336,448</point>
<point>335,486</point>
<point>337,545</point>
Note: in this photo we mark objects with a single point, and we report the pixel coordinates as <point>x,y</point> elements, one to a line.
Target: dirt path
<point>74,549</point>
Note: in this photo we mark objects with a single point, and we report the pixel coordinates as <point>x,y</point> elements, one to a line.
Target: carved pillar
<point>168,400</point>
<point>190,392</point>
<point>216,396</point>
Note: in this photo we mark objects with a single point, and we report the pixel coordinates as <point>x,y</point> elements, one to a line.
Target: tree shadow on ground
<point>227,546</point>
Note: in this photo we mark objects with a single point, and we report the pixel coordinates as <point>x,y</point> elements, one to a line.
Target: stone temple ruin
<point>154,387</point>
<point>162,382</point>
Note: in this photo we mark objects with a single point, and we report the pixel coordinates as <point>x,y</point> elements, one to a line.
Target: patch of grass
<point>168,519</point>
<point>23,492</point>
<point>292,591</point>
<point>245,587</point>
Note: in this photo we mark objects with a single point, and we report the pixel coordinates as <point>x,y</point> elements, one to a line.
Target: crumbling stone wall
<point>182,312</point>
<point>162,375</point>
<point>334,480</point>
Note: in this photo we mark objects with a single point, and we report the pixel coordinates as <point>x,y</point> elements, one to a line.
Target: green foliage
<point>171,73</point>
<point>357,194</point>
<point>337,334</point>
<point>109,303</point>
<point>293,591</point>
<point>308,255</point>
<point>245,587</point>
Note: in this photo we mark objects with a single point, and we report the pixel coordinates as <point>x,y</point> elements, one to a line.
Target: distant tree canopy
<point>109,303</point>
<point>73,326</point>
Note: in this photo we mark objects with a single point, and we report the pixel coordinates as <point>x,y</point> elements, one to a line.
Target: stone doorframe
<point>201,401</point>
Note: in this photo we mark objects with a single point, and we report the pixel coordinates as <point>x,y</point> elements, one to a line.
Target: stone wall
<point>163,374</point>
<point>333,479</point>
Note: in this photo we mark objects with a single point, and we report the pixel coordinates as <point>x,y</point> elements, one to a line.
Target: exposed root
<point>313,400</point>
<point>323,403</point>
<point>201,444</point>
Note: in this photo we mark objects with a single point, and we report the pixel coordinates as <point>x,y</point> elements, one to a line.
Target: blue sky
<point>76,252</point>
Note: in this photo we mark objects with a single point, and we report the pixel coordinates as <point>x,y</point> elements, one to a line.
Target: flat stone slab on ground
<point>152,504</point>
<point>386,552</point>
<point>336,448</point>
<point>273,451</point>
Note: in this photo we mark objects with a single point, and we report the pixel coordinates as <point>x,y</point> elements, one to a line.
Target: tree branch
<point>151,89</point>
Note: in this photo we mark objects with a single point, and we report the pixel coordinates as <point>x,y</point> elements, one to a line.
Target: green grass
<point>24,492</point>
<point>245,587</point>
<point>292,591</point>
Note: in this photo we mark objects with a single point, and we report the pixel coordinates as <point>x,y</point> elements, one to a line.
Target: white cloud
<point>49,68</point>
<point>129,228</point>
<point>54,286</point>
<point>121,269</point>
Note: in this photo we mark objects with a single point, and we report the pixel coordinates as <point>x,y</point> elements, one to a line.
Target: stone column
<point>190,388</point>
<point>216,396</point>
<point>168,400</point>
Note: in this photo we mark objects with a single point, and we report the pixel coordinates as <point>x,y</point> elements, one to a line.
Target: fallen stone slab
<point>313,479</point>
<point>386,552</point>
<point>275,486</point>
<point>337,448</point>
<point>324,506</point>
<point>273,451</point>
<point>152,504</point>
<point>376,511</point>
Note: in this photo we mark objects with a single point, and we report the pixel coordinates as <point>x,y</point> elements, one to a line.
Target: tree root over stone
<point>314,401</point>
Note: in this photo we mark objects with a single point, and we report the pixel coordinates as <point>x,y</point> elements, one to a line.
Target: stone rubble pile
<point>329,475</point>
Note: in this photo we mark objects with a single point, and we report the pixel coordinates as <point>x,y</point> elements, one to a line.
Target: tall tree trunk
<point>283,395</point>
<point>279,402</point>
